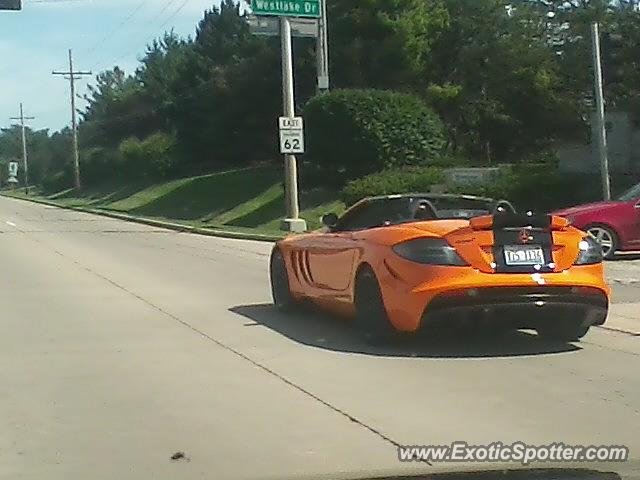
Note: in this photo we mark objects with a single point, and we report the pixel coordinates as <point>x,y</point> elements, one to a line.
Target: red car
<point>615,224</point>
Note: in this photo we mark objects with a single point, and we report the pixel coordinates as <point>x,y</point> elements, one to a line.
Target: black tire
<point>280,290</point>
<point>608,252</point>
<point>570,331</point>
<point>371,315</point>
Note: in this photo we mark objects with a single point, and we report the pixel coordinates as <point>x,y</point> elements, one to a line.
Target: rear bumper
<point>416,294</point>
<point>518,307</point>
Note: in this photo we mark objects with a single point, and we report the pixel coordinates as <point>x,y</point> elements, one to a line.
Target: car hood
<point>587,207</point>
<point>496,471</point>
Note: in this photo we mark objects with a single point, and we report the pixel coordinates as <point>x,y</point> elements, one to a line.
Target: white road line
<point>11,224</point>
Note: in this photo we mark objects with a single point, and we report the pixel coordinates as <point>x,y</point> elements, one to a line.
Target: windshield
<point>386,211</point>
<point>313,239</point>
<point>632,194</point>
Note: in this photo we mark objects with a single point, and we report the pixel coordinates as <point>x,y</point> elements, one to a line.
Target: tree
<point>232,80</point>
<point>497,83</point>
<point>383,43</point>
<point>116,109</point>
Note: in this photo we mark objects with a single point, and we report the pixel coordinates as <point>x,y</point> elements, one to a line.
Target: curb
<point>177,227</point>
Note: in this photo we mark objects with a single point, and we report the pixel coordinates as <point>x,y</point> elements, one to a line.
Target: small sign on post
<point>270,26</point>
<point>13,173</point>
<point>13,169</point>
<point>291,135</point>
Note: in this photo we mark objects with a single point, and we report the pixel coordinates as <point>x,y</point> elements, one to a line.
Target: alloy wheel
<point>605,238</point>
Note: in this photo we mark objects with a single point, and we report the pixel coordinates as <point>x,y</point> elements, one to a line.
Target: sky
<point>102,33</point>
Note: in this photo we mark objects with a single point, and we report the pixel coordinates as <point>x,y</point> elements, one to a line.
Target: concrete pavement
<point>123,344</point>
<point>623,275</point>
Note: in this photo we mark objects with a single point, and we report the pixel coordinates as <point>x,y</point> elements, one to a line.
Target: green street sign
<point>287,8</point>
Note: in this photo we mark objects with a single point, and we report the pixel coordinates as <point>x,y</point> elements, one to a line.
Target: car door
<point>634,224</point>
<point>626,218</point>
<point>330,258</point>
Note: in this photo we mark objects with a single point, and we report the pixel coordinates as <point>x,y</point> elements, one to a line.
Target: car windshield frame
<point>484,205</point>
<point>632,194</point>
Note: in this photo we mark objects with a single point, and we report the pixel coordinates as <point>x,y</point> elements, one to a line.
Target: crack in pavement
<point>619,330</point>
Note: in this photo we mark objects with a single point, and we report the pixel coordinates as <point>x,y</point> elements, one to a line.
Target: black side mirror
<point>330,220</point>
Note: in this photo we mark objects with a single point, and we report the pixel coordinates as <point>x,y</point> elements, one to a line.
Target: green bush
<point>530,187</point>
<point>152,157</point>
<point>357,132</point>
<point>389,182</point>
<point>96,164</point>
<point>57,181</point>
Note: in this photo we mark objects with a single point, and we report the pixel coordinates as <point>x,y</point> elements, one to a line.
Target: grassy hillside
<point>235,200</point>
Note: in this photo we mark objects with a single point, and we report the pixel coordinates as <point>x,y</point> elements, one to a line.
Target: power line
<point>94,47</point>
<point>180,8</point>
<point>164,24</point>
<point>164,9</point>
<point>155,17</point>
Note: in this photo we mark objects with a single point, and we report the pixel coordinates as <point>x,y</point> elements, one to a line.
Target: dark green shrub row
<point>392,181</point>
<point>542,190</point>
<point>152,157</point>
<point>58,181</point>
<point>527,187</point>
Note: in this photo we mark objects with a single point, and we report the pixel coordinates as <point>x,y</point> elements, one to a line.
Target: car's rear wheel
<point>607,238</point>
<point>280,289</point>
<point>564,331</point>
<point>371,315</point>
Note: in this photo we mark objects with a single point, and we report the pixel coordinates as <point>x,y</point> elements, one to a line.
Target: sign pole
<point>292,223</point>
<point>322,48</point>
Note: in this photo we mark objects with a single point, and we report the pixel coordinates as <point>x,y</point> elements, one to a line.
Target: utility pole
<point>323,49</point>
<point>600,111</point>
<point>22,118</point>
<point>72,76</point>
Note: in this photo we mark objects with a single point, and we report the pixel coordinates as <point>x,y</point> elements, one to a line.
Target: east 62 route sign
<point>291,135</point>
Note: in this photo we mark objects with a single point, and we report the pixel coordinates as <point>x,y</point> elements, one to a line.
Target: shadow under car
<point>316,329</point>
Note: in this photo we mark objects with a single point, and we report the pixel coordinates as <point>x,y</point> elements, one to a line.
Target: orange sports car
<point>412,262</point>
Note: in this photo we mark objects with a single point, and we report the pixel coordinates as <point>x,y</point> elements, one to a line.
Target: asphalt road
<point>123,344</point>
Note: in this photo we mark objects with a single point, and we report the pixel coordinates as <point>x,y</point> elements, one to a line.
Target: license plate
<point>518,255</point>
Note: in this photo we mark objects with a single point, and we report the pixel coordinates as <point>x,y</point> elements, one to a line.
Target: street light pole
<point>600,112</point>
